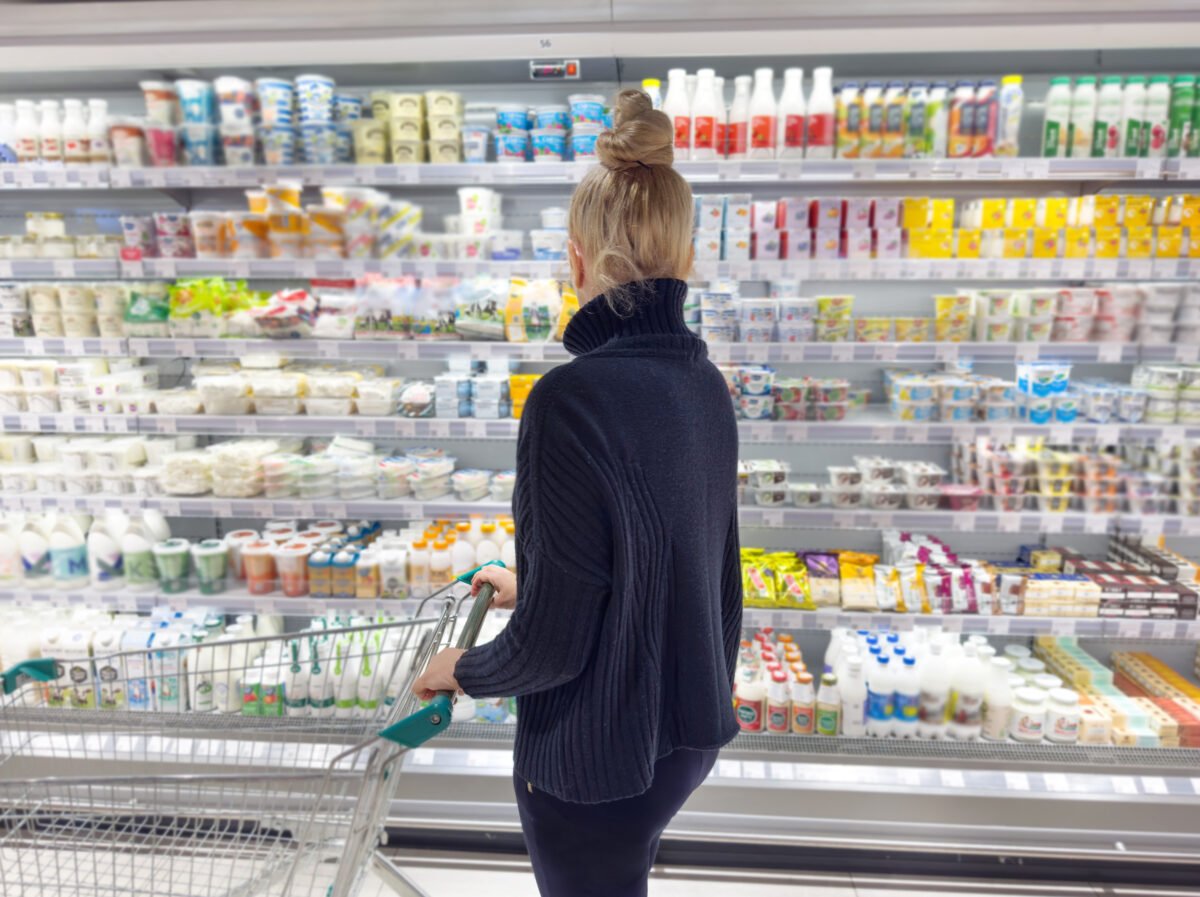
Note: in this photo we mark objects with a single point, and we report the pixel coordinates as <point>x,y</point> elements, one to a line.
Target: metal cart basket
<point>291,745</point>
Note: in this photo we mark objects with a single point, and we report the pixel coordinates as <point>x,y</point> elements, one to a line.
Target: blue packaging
<point>346,107</point>
<point>510,119</point>
<point>549,146</point>
<point>554,118</point>
<point>512,146</point>
<point>583,144</point>
<point>197,101</point>
<point>586,107</point>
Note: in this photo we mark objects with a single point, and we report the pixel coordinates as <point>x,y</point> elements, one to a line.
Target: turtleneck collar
<point>655,321</point>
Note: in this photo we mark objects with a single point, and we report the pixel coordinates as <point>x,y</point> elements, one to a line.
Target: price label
<point>1123,785</point>
<point>222,509</point>
<point>1016,781</point>
<point>365,426</point>
<point>64,268</point>
<point>952,623</point>
<point>1056,782</point>
<point>754,769</point>
<point>1009,523</point>
<point>1062,627</point>
<point>998,625</point>
<point>1154,785</point>
<point>1129,629</point>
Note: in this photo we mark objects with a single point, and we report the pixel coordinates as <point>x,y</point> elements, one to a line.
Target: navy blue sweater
<point>629,600</point>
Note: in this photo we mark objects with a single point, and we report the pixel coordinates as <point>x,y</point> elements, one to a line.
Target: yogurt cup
<point>199,142</point>
<point>512,146</point>
<point>583,142</point>
<point>554,218</point>
<point>210,558</point>
<point>549,245</point>
<point>161,102</point>
<point>291,561</point>
<point>314,97</point>
<point>347,107</point>
<point>756,407</point>
<point>512,118</point>
<point>162,144</point>
<point>236,101</point>
<point>549,145</point>
<point>197,101</point>
<point>506,244</point>
<point>586,108</point>
<point>276,99</point>
<point>208,233</point>
<point>370,139</point>
<point>278,145</point>
<point>258,560</point>
<point>552,117</point>
<point>238,144</point>
<point>475,142</point>
<point>171,560</point>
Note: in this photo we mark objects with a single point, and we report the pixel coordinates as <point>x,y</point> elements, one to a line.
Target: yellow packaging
<point>1022,212</point>
<point>521,385</point>
<point>1189,212</point>
<point>1052,212</point>
<point>915,212</point>
<point>1077,243</point>
<point>941,213</point>
<point>951,304</point>
<point>968,242</point>
<point>931,244</point>
<point>1106,210</point>
<point>834,306</point>
<point>1108,242</point>
<point>912,330</point>
<point>858,580</point>
<point>1016,243</point>
<point>1047,243</point>
<point>791,587</point>
<point>758,584</point>
<point>1168,242</point>
<point>1139,211</point>
<point>994,212</point>
<point>514,317</point>
<point>570,305</point>
<point>1139,242</point>
<point>1193,238</point>
<point>873,330</point>
<point>952,330</point>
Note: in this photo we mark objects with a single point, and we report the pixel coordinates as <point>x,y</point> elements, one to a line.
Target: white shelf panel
<point>303,425</point>
<point>969,522</point>
<point>234,600</point>
<point>871,426</point>
<point>21,177</point>
<point>1085,627</point>
<point>346,350</point>
<point>781,517</point>
<point>720,171</point>
<point>1183,169</point>
<point>43,347</point>
<point>926,353</point>
<point>802,269</point>
<point>59,269</point>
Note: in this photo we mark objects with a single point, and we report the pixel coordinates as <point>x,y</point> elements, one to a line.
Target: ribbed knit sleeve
<point>731,600</point>
<point>564,538</point>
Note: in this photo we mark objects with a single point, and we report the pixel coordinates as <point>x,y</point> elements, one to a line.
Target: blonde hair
<point>631,216</point>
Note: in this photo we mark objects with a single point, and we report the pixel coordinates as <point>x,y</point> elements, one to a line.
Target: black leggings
<point>606,850</point>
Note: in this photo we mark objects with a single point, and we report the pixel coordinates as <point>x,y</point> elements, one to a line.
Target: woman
<point>628,607</point>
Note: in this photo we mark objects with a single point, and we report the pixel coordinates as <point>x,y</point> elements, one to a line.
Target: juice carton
<point>916,212</point>
<point>1168,242</point>
<point>1139,242</point>
<point>1047,243</point>
<point>1138,211</point>
<point>1051,212</point>
<point>827,212</point>
<point>941,213</point>
<point>885,212</point>
<point>1109,241</point>
<point>888,242</point>
<point>1016,243</point>
<point>968,243</point>
<point>1106,210</point>
<point>1022,212</point>
<point>1077,243</point>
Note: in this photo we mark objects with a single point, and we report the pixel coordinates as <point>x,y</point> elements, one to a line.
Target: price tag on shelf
<point>951,623</point>
<point>1008,523</point>
<point>365,426</point>
<point>337,510</point>
<point>1129,629</point>
<point>1154,785</point>
<point>1016,781</point>
<point>1123,785</point>
<point>222,509</point>
<point>1196,785</point>
<point>1056,782</point>
<point>754,769</point>
<point>998,625</point>
<point>1095,524</point>
<point>64,268</point>
<point>1062,627</point>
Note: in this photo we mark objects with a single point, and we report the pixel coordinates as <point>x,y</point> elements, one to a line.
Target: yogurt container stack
<point>1173,393</point>
<point>719,317</point>
<point>552,132</point>
<point>237,106</point>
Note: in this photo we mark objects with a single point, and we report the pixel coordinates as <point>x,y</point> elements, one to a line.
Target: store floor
<point>453,876</point>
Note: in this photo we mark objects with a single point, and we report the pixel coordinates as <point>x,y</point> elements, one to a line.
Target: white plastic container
<point>1010,103</point>
<point>739,118</point>
<point>1133,116</point>
<point>1083,118</point>
<point>1057,122</point>
<point>881,697</point>
<point>907,708</point>
<point>935,693</point>
<point>1062,716</point>
<point>821,127</point>
<point>1158,107</point>
<point>8,133</point>
<point>704,117</point>
<point>1106,130</point>
<point>25,129</point>
<point>997,700</point>
<point>76,150</point>
<point>764,112</point>
<point>1029,714</point>
<point>99,147</point>
<point>678,108</point>
<point>50,133</point>
<point>790,128</point>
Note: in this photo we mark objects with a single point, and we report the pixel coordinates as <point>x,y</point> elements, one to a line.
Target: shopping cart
<point>279,798</point>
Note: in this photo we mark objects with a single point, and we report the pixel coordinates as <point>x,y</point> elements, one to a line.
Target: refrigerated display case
<point>1127,810</point>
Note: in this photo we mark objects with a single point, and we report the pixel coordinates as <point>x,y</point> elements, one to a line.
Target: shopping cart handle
<point>417,728</point>
<point>466,578</point>
<point>41,670</point>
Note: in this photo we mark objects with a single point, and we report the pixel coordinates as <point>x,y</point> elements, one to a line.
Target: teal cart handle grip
<point>44,669</point>
<point>465,578</point>
<point>417,728</point>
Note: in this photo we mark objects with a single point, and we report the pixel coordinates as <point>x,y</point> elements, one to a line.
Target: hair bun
<point>641,135</point>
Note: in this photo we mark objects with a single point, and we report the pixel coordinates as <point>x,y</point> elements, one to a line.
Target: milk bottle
<point>99,149</point>
<point>987,115</point>
<point>1106,131</point>
<point>789,140</point>
<point>966,696</point>
<point>881,697</point>
<point>997,700</point>
<point>678,108</point>
<point>739,118</point>
<point>135,645</point>
<point>704,116</point>
<point>908,699</point>
<point>1057,122</point>
<point>1158,107</point>
<point>1133,116</point>
<point>76,150</point>
<point>935,694</point>
<point>50,147</point>
<point>76,657</point>
<point>26,130</point>
<point>854,698</point>
<point>8,134</point>
<point>821,112</point>
<point>110,689</point>
<point>1083,118</point>
<point>763,115</point>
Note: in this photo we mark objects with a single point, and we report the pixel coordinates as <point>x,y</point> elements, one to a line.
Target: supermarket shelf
<point>870,426</point>
<point>517,173</point>
<point>1182,169</point>
<point>233,601</point>
<point>304,425</point>
<point>802,269</point>
<point>970,522</point>
<point>759,353</point>
<point>44,347</point>
<point>783,517</point>
<point>1094,627</point>
<point>735,759</point>
<point>59,269</point>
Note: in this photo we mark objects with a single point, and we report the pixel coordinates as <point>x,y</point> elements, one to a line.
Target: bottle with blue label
<point>8,134</point>
<point>881,696</point>
<point>908,698</point>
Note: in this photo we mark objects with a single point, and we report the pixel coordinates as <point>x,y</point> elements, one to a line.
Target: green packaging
<point>1183,108</point>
